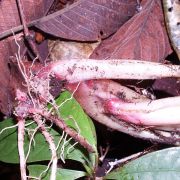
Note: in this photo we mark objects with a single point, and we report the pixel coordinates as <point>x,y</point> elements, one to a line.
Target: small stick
<point>103,155</point>
<point>116,162</point>
<point>26,31</point>
<point>21,126</point>
<point>131,157</point>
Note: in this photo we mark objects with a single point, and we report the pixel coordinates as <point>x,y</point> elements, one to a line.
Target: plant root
<point>75,135</point>
<point>98,92</point>
<point>49,139</point>
<point>76,70</point>
<point>21,127</point>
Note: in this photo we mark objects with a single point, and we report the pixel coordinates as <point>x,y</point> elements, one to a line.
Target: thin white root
<point>23,69</point>
<point>63,147</point>
<point>64,137</point>
<point>72,95</point>
<point>31,88</point>
<point>21,126</point>
<point>10,127</point>
<point>32,138</point>
<point>59,142</point>
<point>71,147</point>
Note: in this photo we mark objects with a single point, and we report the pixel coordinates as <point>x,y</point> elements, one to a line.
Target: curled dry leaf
<point>10,78</point>
<point>88,20</point>
<point>142,37</point>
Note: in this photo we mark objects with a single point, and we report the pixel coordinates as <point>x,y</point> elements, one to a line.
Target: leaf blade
<point>88,20</point>
<point>142,37</point>
<point>163,164</point>
<point>65,174</point>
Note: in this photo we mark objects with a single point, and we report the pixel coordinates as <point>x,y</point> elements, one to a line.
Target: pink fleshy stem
<point>76,70</point>
<point>96,92</point>
<point>162,112</point>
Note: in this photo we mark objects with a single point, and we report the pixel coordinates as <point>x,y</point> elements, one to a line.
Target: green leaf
<point>65,174</point>
<point>81,122</point>
<point>8,142</point>
<point>72,112</point>
<point>76,118</point>
<point>164,164</point>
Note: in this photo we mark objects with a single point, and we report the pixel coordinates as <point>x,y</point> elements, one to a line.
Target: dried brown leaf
<point>142,37</point>
<point>88,20</point>
<point>9,18</point>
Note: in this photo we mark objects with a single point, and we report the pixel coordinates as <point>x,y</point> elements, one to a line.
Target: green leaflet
<point>65,174</point>
<point>164,164</point>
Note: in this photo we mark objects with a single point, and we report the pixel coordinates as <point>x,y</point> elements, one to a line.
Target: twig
<point>23,19</point>
<point>103,154</point>
<point>26,31</point>
<point>20,28</point>
<point>21,126</point>
<point>35,22</point>
<point>117,162</point>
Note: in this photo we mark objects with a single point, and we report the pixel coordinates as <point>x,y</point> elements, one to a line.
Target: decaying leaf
<point>88,20</point>
<point>142,37</point>
<point>68,49</point>
<point>167,87</point>
<point>32,9</point>
<point>10,78</point>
